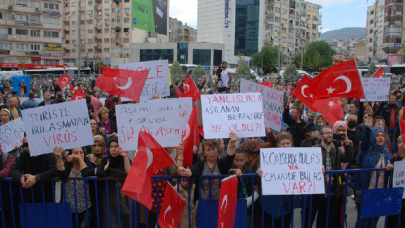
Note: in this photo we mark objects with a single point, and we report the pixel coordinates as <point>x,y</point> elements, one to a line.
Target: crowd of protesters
<point>371,140</point>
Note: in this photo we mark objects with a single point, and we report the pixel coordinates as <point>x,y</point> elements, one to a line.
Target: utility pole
<point>279,41</point>
<point>79,41</point>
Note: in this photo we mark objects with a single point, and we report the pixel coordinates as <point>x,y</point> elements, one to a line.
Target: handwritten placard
<point>399,175</point>
<point>272,102</point>
<point>66,124</point>
<point>240,113</point>
<point>11,135</point>
<point>292,171</point>
<point>157,82</point>
<point>376,89</point>
<point>160,118</point>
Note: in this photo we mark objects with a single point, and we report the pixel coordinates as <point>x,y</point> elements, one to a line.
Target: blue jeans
<point>391,135</point>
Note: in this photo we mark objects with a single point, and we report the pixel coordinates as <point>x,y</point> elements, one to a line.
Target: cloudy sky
<point>336,14</point>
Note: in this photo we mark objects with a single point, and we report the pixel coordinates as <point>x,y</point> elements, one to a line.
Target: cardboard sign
<point>292,171</point>
<point>272,102</point>
<point>240,113</point>
<point>157,82</point>
<point>65,124</point>
<point>376,89</point>
<point>160,118</point>
<point>11,135</point>
<point>399,175</point>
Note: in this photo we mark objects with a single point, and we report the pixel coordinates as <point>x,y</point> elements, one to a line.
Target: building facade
<point>246,26</point>
<point>181,33</point>
<point>101,30</point>
<point>385,31</point>
<point>31,32</point>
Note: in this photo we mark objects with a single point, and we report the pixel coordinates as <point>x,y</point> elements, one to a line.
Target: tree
<point>99,67</point>
<point>198,72</point>
<point>22,62</point>
<point>243,68</point>
<point>371,69</point>
<point>324,50</point>
<point>269,55</point>
<point>316,61</point>
<point>290,72</point>
<point>297,61</point>
<point>176,72</point>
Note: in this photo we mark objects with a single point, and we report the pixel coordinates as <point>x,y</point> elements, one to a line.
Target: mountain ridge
<point>344,33</point>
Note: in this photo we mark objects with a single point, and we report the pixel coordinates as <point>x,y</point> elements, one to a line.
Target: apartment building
<point>101,30</point>
<point>31,32</point>
<point>181,33</point>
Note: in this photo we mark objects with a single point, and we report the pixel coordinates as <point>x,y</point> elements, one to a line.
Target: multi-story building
<point>385,34</point>
<point>247,27</point>
<point>181,33</point>
<point>30,32</point>
<point>101,30</point>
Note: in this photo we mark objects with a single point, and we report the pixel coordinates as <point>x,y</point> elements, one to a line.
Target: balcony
<point>270,2</point>
<point>99,36</point>
<point>269,22</point>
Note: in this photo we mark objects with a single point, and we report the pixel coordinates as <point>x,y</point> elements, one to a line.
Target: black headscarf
<point>115,162</point>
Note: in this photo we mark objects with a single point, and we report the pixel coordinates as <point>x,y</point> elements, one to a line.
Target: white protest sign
<point>11,135</point>
<point>157,82</point>
<point>272,102</point>
<point>376,89</point>
<point>399,176</point>
<point>240,113</point>
<point>160,118</point>
<point>292,171</point>
<point>103,100</point>
<point>65,124</point>
<point>38,100</point>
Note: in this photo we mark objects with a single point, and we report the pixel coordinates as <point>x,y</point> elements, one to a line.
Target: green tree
<point>316,61</point>
<point>371,69</point>
<point>290,72</point>
<point>99,67</point>
<point>324,50</point>
<point>198,72</point>
<point>243,68</point>
<point>269,55</point>
<point>297,61</point>
<point>176,72</point>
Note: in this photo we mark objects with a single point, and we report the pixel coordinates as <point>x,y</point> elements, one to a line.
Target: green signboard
<point>150,15</point>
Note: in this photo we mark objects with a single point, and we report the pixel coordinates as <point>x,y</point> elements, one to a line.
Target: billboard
<point>394,59</point>
<point>52,49</point>
<point>150,15</point>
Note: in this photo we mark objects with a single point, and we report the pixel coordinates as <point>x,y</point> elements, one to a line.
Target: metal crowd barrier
<point>48,214</point>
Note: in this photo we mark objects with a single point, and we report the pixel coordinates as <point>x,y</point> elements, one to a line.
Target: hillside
<point>343,33</point>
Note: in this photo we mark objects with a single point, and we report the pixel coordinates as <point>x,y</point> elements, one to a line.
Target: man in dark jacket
<point>296,124</point>
<point>312,139</point>
<point>389,111</point>
<point>108,102</point>
<point>58,98</point>
<point>30,171</point>
<point>111,111</point>
<point>47,100</point>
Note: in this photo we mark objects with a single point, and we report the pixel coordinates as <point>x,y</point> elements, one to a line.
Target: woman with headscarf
<point>76,166</point>
<point>98,150</point>
<point>319,122</point>
<point>96,130</point>
<point>373,155</point>
<point>115,164</point>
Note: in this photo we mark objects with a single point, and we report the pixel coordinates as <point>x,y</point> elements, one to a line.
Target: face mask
<point>352,124</point>
<point>314,135</point>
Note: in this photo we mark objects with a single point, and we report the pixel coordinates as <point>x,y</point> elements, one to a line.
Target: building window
<point>90,31</point>
<point>284,30</point>
<point>90,50</point>
<point>83,3</point>
<point>51,34</point>
<point>35,33</point>
<point>277,19</point>
<point>126,40</point>
<point>106,30</point>
<point>82,31</point>
<point>50,5</point>
<point>106,40</point>
<point>73,41</point>
<point>35,47</point>
<point>126,20</point>
<point>73,13</point>
<point>113,10</point>
<point>113,30</point>
<point>21,47</point>
<point>126,29</point>
<point>35,4</point>
<point>5,15</point>
<point>4,31</point>
<point>89,41</point>
<point>89,22</point>
<point>73,32</point>
<point>73,50</point>
<point>284,11</point>
<point>21,2</point>
<point>34,18</point>
<point>51,20</point>
<point>106,50</point>
<point>6,46</point>
<point>156,54</point>
<point>90,12</point>
<point>89,3</point>
<point>126,10</point>
<point>202,56</point>
<point>99,50</point>
<point>277,10</point>
<point>21,32</point>
<point>21,17</point>
<point>106,1</point>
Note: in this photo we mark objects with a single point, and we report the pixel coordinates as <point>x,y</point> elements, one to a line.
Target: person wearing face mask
<point>354,134</point>
<point>312,139</point>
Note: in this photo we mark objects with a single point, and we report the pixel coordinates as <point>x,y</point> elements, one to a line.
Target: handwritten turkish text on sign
<point>376,89</point>
<point>272,102</point>
<point>240,113</point>
<point>157,82</point>
<point>399,176</point>
<point>160,118</point>
<point>11,135</point>
<point>66,124</point>
<point>292,171</point>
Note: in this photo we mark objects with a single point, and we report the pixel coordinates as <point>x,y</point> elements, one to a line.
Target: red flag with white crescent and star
<point>379,73</point>
<point>122,83</point>
<point>149,158</point>
<point>330,108</point>
<point>342,80</point>
<point>78,95</point>
<point>228,197</point>
<point>190,90</point>
<point>191,138</point>
<point>64,81</point>
<point>304,93</point>
<point>172,208</point>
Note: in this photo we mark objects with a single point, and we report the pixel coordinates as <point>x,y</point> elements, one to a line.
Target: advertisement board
<point>52,49</point>
<point>394,59</point>
<point>150,15</point>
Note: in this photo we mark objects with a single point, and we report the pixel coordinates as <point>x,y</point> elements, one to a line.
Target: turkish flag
<point>342,80</point>
<point>122,83</point>
<point>191,138</point>
<point>64,81</point>
<point>330,108</point>
<point>402,126</point>
<point>305,94</point>
<point>172,208</point>
<point>178,92</point>
<point>379,73</point>
<point>201,130</point>
<point>267,84</point>
<point>149,158</point>
<point>78,95</point>
<point>227,202</point>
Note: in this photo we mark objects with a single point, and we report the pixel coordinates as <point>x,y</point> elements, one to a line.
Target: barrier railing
<point>100,204</point>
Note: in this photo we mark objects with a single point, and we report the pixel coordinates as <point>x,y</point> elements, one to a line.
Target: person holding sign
<point>373,155</point>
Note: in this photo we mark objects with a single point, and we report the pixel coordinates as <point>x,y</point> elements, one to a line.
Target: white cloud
<point>324,30</point>
<point>329,2</point>
<point>185,11</point>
